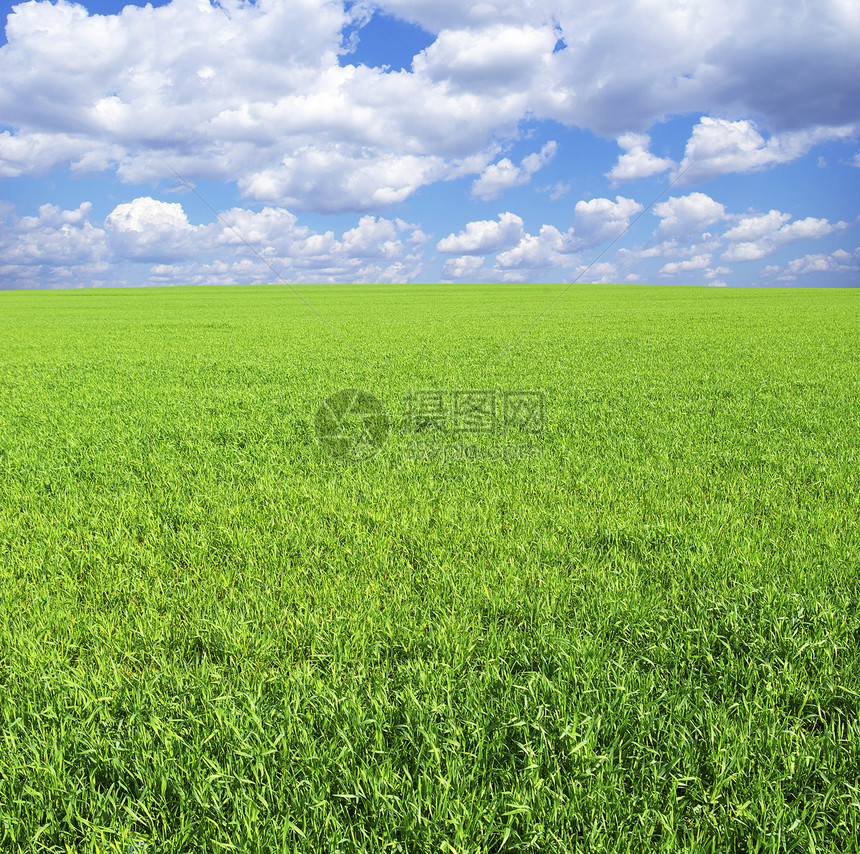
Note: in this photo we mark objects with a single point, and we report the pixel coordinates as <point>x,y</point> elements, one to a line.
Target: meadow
<point>630,625</point>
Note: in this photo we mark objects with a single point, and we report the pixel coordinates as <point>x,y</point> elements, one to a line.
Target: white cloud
<point>253,92</point>
<point>335,181</point>
<point>498,57</point>
<point>675,267</point>
<point>637,161</point>
<point>840,261</point>
<point>534,252</point>
<point>54,238</point>
<point>244,92</point>
<point>755,227</point>
<point>464,267</point>
<point>57,248</point>
<point>603,273</point>
<point>683,216</point>
<point>504,174</point>
<point>150,241</point>
<point>627,63</point>
<point>601,219</point>
<point>754,237</point>
<point>150,230</point>
<point>718,147</point>
<point>594,222</point>
<point>483,236</point>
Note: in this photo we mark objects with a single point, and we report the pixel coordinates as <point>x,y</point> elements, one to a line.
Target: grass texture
<point>642,635</point>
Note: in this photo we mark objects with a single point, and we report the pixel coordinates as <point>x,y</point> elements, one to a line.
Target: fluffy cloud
<point>718,147</point>
<point>53,238</point>
<point>500,57</point>
<point>683,216</point>
<point>602,273</point>
<point>601,219</point>
<point>464,267</point>
<point>752,228</point>
<point>754,237</point>
<point>637,161</point>
<point>840,261</point>
<point>535,251</point>
<point>147,241</point>
<point>720,55</point>
<point>483,236</point>
<point>150,230</point>
<point>255,92</point>
<point>699,262</point>
<point>57,248</point>
<point>504,174</point>
<point>237,91</point>
<point>520,253</point>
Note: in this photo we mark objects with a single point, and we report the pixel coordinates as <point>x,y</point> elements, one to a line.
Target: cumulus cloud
<point>840,261</point>
<point>483,236</point>
<point>521,254</point>
<point>535,251</point>
<point>464,267</point>
<point>686,215</point>
<point>255,92</point>
<point>754,237</point>
<point>720,56</point>
<point>504,174</point>
<point>699,262</point>
<point>149,230</point>
<point>244,92</point>
<point>601,219</point>
<point>602,273</point>
<point>54,238</point>
<point>499,57</point>
<point>719,147</point>
<point>56,248</point>
<point>637,161</point>
<point>150,241</point>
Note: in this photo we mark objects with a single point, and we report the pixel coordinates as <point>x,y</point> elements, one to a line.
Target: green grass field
<point>641,633</point>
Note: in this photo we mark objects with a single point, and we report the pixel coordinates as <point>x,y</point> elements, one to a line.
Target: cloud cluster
<point>718,147</point>
<point>262,94</point>
<point>149,241</point>
<point>59,248</point>
<point>840,261</point>
<point>819,264</point>
<point>521,254</point>
<point>754,237</point>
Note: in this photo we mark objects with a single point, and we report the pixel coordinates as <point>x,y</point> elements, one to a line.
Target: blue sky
<point>646,141</point>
